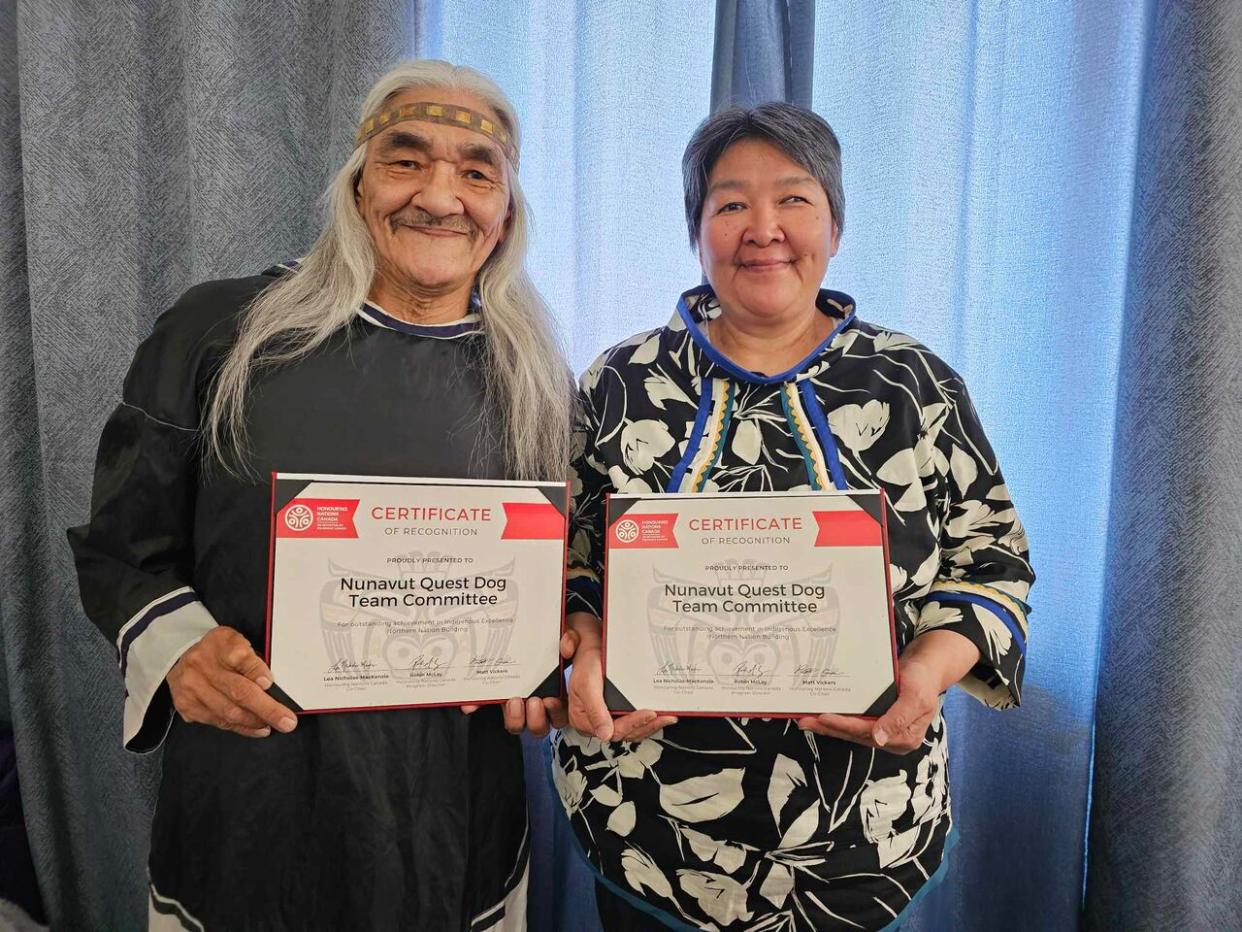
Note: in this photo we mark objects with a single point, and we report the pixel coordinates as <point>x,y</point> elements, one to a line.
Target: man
<point>408,342</point>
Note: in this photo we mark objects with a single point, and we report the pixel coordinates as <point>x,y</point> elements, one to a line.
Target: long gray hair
<point>527,382</point>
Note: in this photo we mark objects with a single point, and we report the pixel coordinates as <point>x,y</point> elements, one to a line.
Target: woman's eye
<point>406,163</point>
<point>730,207</point>
<point>476,175</point>
<point>796,198</point>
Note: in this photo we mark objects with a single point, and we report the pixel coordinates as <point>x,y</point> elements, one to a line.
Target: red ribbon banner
<point>846,529</point>
<point>318,517</point>
<point>533,521</point>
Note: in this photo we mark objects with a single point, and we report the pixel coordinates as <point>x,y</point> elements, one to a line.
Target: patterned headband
<point>448,114</point>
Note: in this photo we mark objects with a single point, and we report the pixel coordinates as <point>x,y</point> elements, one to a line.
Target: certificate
<point>762,604</point>
<point>393,592</point>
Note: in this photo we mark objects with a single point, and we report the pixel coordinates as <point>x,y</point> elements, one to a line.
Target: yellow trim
<point>802,425</point>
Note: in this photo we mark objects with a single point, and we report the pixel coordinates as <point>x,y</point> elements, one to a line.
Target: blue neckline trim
<point>996,608</point>
<point>827,442</point>
<point>706,391</point>
<point>745,375</point>
<point>807,463</point>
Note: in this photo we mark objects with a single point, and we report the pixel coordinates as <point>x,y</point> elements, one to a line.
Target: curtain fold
<point>145,148</point>
<point>763,50</point>
<point>1166,820</point>
<point>989,153</point>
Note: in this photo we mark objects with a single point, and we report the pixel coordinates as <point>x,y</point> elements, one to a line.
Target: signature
<point>502,661</point>
<point>423,662</point>
<point>345,665</point>
<point>749,669</point>
<point>674,667</point>
<point>805,669</point>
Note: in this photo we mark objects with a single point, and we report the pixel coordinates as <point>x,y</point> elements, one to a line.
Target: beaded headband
<point>448,114</point>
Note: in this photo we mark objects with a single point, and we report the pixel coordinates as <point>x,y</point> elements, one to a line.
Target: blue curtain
<point>989,154</point>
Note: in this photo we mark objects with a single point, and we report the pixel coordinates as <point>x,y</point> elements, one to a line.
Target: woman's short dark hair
<point>803,135</point>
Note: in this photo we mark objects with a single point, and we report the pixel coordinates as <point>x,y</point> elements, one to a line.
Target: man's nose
<point>439,195</point>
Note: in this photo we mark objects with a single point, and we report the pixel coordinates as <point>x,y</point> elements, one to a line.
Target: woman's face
<point>766,233</point>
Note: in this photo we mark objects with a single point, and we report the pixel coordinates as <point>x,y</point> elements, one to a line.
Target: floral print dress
<point>752,824</point>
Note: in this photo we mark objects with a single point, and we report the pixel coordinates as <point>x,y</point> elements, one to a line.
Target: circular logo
<point>627,531</point>
<point>299,518</point>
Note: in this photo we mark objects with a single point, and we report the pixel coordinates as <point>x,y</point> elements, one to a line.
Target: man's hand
<point>221,681</point>
<point>930,664</point>
<point>530,714</point>
<point>588,712</point>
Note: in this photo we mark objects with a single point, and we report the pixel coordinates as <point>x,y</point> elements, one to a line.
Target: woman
<point>763,381</point>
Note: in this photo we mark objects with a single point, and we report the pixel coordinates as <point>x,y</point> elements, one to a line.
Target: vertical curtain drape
<point>989,153</point>
<point>145,147</point>
<point>1166,822</point>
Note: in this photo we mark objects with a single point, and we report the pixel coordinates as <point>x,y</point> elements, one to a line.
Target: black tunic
<point>409,819</point>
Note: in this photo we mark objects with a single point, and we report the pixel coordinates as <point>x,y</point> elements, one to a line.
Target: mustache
<point>417,217</point>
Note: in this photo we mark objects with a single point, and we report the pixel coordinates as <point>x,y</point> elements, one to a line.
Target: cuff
<point>583,593</point>
<point>149,644</point>
<point>995,623</point>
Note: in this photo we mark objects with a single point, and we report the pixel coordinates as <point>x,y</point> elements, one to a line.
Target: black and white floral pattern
<point>751,823</point>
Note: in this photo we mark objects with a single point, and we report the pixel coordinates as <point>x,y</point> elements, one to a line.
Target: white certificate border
<point>309,477</point>
<point>895,689</point>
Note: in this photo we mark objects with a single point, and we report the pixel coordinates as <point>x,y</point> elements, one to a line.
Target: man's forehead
<point>458,111</point>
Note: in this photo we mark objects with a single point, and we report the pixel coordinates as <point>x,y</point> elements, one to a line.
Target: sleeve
<point>135,556</point>
<point>589,485</point>
<point>985,573</point>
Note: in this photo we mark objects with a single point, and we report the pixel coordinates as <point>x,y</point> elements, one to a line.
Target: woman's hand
<point>929,665</point>
<point>582,645</point>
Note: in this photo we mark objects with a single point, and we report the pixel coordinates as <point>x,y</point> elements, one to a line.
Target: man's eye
<point>476,175</point>
<point>731,207</point>
<point>796,198</point>
<point>407,163</point>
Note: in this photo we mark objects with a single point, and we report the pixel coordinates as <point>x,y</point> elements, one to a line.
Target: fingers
<point>536,717</point>
<point>247,694</point>
<point>245,661</point>
<point>569,644</point>
<point>558,715</point>
<point>638,726</point>
<point>469,709</point>
<point>221,681</point>
<point>515,716</point>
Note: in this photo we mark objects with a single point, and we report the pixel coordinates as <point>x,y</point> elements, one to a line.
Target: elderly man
<point>408,342</point>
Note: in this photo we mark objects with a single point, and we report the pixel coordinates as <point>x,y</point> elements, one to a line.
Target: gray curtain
<point>144,147</point>
<point>764,50</point>
<point>1166,820</point>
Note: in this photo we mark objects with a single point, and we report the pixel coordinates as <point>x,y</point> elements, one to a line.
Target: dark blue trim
<point>141,625</point>
<point>931,884</point>
<point>640,904</point>
<point>442,332</point>
<point>696,435</point>
<point>588,590</point>
<point>745,375</point>
<point>807,462</point>
<point>996,608</point>
<point>827,442</point>
<point>730,394</point>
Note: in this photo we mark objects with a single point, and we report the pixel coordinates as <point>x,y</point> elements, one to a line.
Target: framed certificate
<point>749,604</point>
<point>391,593</point>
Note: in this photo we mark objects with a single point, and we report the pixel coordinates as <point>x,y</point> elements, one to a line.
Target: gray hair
<point>801,134</point>
<point>527,381</point>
